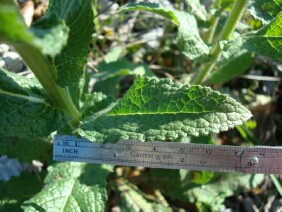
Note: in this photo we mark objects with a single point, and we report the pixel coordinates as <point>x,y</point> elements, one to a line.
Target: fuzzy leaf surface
<point>24,108</point>
<point>265,11</point>
<point>231,63</point>
<point>159,109</point>
<point>78,16</point>
<point>72,187</point>
<point>267,41</point>
<point>197,9</point>
<point>96,102</point>
<point>49,37</point>
<point>189,41</point>
<point>26,150</point>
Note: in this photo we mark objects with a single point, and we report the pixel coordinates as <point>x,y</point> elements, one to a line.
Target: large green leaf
<point>189,41</point>
<point>72,187</point>
<point>265,10</point>
<point>24,108</point>
<point>26,150</point>
<point>266,41</point>
<point>19,189</point>
<point>232,62</point>
<point>159,109</point>
<point>49,37</point>
<point>78,16</point>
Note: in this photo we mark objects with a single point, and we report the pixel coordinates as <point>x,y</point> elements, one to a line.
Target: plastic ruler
<point>170,155</point>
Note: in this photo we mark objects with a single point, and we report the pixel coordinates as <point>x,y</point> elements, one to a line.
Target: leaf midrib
<point>159,113</point>
<point>26,97</point>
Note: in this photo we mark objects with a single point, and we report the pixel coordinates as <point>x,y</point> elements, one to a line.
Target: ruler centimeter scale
<point>170,155</point>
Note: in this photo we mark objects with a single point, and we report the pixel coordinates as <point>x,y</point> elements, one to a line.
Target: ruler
<point>170,155</point>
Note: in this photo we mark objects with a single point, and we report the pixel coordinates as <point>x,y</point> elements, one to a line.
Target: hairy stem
<point>226,34</point>
<point>45,74</point>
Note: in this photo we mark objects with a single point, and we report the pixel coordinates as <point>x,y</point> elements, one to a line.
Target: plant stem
<point>45,73</point>
<point>276,183</point>
<point>95,14</point>
<point>226,34</point>
<point>213,19</point>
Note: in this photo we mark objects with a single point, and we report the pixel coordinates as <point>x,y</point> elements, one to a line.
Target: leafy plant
<point>55,48</point>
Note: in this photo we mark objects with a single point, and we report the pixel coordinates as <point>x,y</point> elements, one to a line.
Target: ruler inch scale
<point>171,155</point>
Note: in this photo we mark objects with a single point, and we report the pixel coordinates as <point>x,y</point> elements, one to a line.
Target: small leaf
<point>132,199</point>
<point>196,9</point>
<point>78,16</point>
<point>95,102</point>
<point>267,41</point>
<point>179,185</point>
<point>72,187</point>
<point>188,38</point>
<point>111,73</point>
<point>265,11</point>
<point>159,109</point>
<point>115,54</point>
<point>224,185</point>
<point>49,37</point>
<point>25,110</point>
<point>232,62</point>
<point>26,150</point>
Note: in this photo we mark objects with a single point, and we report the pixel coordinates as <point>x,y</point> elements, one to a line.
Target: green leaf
<point>78,16</point>
<point>72,187</point>
<point>223,185</point>
<point>159,109</point>
<point>19,189</point>
<point>265,11</point>
<point>26,150</point>
<point>267,41</point>
<point>132,199</point>
<point>111,73</point>
<point>196,9</point>
<point>24,108</point>
<point>173,184</point>
<point>115,54</point>
<point>189,41</point>
<point>231,63</point>
<point>197,177</point>
<point>95,102</point>
<point>50,36</point>
<point>78,89</point>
